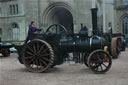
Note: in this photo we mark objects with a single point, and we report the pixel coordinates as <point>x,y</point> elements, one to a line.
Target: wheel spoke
<point>37,64</point>
<point>41,49</point>
<point>40,61</point>
<point>45,50</point>
<point>34,48</point>
<point>31,60</point>
<point>30,49</point>
<point>38,47</point>
<point>104,65</point>
<point>29,53</point>
<point>43,62</point>
<point>44,55</point>
<point>45,59</point>
<point>101,67</point>
<point>28,57</point>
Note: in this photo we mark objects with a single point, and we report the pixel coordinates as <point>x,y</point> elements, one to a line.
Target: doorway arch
<point>58,13</point>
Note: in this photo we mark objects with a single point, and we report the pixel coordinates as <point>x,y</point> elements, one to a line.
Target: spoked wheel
<point>57,28</point>
<point>38,56</point>
<point>99,61</point>
<point>115,47</point>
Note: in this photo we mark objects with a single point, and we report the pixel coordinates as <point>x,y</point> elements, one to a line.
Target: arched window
<point>125,24</point>
<point>17,9</point>
<point>15,31</point>
<point>10,9</point>
<point>14,11</point>
<point>15,25</point>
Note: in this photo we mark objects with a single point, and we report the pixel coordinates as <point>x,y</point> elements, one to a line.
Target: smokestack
<point>82,25</point>
<point>94,20</point>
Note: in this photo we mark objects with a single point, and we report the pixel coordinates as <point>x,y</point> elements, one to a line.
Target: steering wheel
<point>57,29</point>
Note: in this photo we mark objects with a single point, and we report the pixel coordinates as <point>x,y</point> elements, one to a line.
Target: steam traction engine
<point>52,47</point>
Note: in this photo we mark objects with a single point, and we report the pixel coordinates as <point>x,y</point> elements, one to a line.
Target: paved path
<point>13,73</point>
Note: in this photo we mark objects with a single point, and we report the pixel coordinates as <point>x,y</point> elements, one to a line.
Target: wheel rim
<point>99,61</point>
<point>37,56</point>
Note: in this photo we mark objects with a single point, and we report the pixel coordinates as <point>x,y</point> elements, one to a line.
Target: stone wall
<point>43,12</point>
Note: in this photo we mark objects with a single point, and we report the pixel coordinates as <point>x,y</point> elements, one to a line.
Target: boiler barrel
<point>81,45</point>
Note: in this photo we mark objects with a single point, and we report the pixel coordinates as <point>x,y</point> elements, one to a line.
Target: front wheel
<point>99,61</point>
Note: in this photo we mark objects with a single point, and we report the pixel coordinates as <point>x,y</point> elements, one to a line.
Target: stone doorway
<point>64,17</point>
<point>59,13</point>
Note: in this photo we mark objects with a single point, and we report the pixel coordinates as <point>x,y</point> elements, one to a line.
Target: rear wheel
<point>99,61</point>
<point>115,47</point>
<point>38,56</point>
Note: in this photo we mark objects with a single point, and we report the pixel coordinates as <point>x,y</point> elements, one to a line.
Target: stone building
<point>12,20</point>
<point>121,13</point>
<point>117,15</point>
<point>16,15</point>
